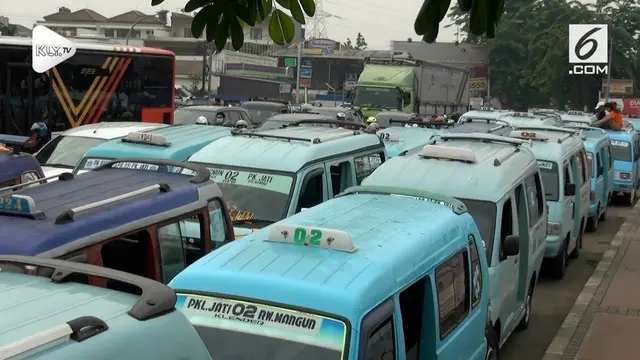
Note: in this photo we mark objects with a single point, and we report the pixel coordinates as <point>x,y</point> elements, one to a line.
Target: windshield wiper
<point>58,166</point>
<point>252,221</point>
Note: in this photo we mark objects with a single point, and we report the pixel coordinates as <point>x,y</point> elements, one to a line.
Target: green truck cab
<point>386,85</point>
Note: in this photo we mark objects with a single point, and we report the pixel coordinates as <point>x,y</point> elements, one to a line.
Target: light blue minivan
<point>498,180</point>
<point>175,143</point>
<point>347,281</point>
<point>600,164</point>
<point>625,150</point>
<point>563,165</point>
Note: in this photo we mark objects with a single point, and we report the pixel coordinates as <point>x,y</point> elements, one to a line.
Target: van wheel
<point>576,251</point>
<point>524,323</point>
<point>592,222</point>
<point>492,345</point>
<point>603,217</point>
<point>559,263</point>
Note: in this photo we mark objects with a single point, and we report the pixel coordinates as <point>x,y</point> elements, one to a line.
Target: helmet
<point>201,120</point>
<point>371,119</point>
<point>374,125</point>
<point>600,103</point>
<point>241,124</point>
<point>414,125</point>
<point>40,128</point>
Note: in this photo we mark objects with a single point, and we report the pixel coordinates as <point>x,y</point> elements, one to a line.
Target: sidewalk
<point>604,322</point>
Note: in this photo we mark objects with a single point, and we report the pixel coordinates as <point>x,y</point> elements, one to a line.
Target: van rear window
<point>550,179</point>
<point>621,150</point>
<point>233,329</point>
<point>484,214</point>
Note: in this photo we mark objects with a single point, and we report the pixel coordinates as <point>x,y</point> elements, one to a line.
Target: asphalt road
<point>553,299</point>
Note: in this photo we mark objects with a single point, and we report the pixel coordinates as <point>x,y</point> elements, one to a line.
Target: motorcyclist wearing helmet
<point>242,124</point>
<point>39,136</point>
<point>371,119</point>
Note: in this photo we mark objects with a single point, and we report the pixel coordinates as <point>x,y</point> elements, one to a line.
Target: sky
<point>379,21</point>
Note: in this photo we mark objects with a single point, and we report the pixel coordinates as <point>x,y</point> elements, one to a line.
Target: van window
<point>382,342</point>
<point>411,308</point>
<point>218,224</point>
<point>452,277</point>
<point>131,253</point>
<point>600,156</point>
<point>534,198</point>
<point>172,254</point>
<point>506,228</point>
<point>484,214</point>
<point>550,179</point>
<point>590,164</point>
<point>476,272</point>
<point>582,168</point>
<point>610,155</point>
<point>232,116</point>
<point>365,165</point>
<point>341,177</point>
<point>312,194</point>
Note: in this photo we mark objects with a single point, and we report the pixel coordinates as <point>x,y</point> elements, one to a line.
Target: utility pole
<point>299,59</point>
<point>608,89</point>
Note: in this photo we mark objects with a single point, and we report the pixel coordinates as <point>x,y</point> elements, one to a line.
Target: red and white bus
<point>101,82</point>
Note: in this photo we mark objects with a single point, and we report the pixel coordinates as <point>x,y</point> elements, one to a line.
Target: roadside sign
<point>290,62</point>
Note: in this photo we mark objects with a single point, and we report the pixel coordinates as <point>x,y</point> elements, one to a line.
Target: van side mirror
<point>570,190</point>
<point>511,245</point>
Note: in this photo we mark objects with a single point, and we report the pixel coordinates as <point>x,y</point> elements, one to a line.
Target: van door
<point>610,171</point>
<point>585,187</point>
<point>635,156</point>
<point>569,207</point>
<point>311,191</point>
<point>504,299</point>
<point>341,176</point>
<point>596,169</point>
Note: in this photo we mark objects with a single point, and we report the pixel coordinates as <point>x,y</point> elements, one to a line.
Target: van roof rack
<point>201,173</point>
<point>421,123</point>
<point>68,216</point>
<point>456,205</point>
<point>16,142</point>
<point>329,122</point>
<point>317,140</point>
<point>488,138</point>
<point>585,128</point>
<point>488,121</point>
<point>155,300</point>
<point>440,152</point>
<point>62,177</point>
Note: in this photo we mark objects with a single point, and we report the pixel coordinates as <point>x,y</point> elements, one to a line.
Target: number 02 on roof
<point>311,236</point>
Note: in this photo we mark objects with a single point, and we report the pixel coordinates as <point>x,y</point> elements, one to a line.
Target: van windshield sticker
<point>547,165</point>
<point>439,202</point>
<point>271,182</point>
<point>136,166</point>
<point>254,314</point>
<point>91,164</point>
<point>619,143</point>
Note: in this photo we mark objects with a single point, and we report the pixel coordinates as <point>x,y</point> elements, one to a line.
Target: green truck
<point>396,81</point>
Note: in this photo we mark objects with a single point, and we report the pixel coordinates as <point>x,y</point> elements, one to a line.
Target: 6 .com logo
<point>588,45</point>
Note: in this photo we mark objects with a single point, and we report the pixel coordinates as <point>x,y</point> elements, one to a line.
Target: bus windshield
<point>233,329</point>
<point>253,195</point>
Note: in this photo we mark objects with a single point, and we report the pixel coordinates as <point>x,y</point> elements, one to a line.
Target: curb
<point>558,347</point>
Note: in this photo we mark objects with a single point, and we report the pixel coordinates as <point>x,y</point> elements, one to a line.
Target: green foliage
<point>7,30</point>
<point>361,43</point>
<point>529,56</point>
<point>220,20</point>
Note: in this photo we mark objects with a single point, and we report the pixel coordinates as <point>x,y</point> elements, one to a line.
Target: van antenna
<point>98,127</point>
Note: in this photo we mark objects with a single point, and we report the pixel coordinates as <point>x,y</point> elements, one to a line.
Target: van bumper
<point>622,186</point>
<point>552,245</point>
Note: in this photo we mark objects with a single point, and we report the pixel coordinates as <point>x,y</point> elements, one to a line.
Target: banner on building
<point>478,84</point>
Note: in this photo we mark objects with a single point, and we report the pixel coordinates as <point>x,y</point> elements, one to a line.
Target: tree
<point>224,19</point>
<point>361,43</point>
<point>529,55</point>
<point>8,30</point>
<point>347,44</point>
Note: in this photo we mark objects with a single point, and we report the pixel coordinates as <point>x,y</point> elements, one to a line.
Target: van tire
<point>559,263</point>
<point>576,251</point>
<point>492,345</point>
<point>592,222</point>
<point>524,322</point>
<point>603,217</point>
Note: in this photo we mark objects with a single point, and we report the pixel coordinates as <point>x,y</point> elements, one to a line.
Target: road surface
<point>553,299</point>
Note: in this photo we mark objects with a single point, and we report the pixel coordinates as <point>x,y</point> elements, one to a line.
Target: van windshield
<point>621,150</point>
<point>484,214</point>
<point>242,330</point>
<point>550,179</point>
<point>253,195</point>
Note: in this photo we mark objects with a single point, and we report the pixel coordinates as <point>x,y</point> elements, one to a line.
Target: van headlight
<point>553,229</point>
<point>622,175</point>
